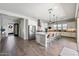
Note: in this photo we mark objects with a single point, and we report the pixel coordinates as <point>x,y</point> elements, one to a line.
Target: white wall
<point>25,29</point>
<point>0,27</point>
<point>78,33</point>
<point>78,28</point>
<point>44,25</point>
<point>5,21</point>
<point>21,28</point>
<point>34,22</point>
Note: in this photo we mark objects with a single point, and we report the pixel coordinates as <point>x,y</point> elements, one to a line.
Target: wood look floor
<point>15,46</point>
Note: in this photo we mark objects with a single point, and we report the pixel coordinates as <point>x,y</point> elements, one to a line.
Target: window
<point>59,26</point>
<point>55,27</point>
<point>64,26</point>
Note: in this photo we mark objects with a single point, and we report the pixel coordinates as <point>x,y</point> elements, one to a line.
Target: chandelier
<point>52,16</point>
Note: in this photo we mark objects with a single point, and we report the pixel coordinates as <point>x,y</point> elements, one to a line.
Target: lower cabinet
<point>69,34</point>
<point>38,38</point>
<point>41,39</point>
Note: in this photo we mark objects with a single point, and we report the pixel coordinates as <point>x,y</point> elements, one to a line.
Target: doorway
<point>10,28</point>
<point>16,29</point>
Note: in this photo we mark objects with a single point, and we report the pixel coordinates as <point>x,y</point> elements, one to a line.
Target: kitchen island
<point>45,38</point>
<point>41,38</point>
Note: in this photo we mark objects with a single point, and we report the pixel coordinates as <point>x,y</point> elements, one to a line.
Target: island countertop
<point>42,33</point>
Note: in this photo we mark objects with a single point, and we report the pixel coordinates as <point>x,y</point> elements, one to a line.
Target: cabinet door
<point>38,38</point>
<point>42,39</point>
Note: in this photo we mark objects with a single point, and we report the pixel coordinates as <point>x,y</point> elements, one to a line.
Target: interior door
<point>16,29</point>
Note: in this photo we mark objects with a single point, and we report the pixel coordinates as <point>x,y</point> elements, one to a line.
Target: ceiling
<point>9,17</point>
<point>40,10</point>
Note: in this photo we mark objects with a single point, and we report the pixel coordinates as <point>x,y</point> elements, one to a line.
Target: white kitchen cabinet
<point>41,38</point>
<point>68,34</point>
<point>37,38</point>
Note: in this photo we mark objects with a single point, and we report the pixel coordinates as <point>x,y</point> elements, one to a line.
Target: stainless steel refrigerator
<point>31,32</point>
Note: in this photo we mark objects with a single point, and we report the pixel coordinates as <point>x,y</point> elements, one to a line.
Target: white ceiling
<point>8,17</point>
<point>40,10</point>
